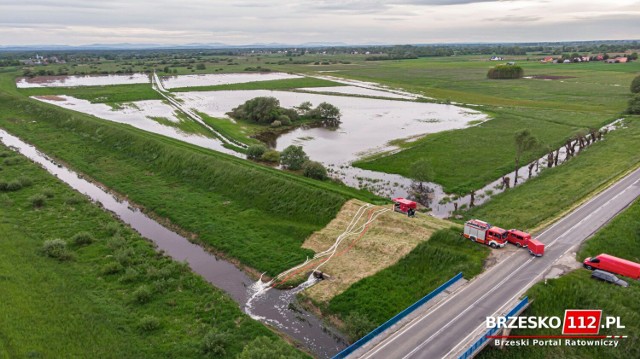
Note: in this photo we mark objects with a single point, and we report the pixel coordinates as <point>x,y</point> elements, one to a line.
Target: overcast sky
<point>80,22</point>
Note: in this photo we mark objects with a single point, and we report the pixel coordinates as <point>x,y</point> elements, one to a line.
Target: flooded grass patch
<point>99,94</point>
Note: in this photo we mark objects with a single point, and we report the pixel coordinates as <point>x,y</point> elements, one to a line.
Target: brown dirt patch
<point>551,77</point>
<point>51,98</point>
<point>390,237</point>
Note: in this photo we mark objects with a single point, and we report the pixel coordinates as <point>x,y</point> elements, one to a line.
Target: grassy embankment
<point>577,291</point>
<point>108,294</point>
<point>249,212</point>
<point>553,110</point>
<point>373,300</point>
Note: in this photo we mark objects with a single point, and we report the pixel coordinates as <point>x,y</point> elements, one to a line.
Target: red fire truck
<point>482,232</point>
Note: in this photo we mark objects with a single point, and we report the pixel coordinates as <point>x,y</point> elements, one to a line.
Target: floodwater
<point>170,82</point>
<point>358,91</point>
<point>89,80</point>
<point>138,114</point>
<point>271,306</point>
<point>367,124</point>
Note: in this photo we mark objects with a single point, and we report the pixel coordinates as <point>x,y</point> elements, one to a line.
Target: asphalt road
<point>442,331</point>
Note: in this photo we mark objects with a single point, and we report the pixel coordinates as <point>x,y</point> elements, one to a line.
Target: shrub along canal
<point>272,306</point>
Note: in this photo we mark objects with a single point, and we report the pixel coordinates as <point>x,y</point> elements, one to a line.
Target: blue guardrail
<point>386,325</point>
<point>471,351</point>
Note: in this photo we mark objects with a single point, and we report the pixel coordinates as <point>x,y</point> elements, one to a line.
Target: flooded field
<point>367,124</point>
<point>170,82</point>
<point>272,306</point>
<point>145,115</point>
<point>89,80</point>
<point>359,91</point>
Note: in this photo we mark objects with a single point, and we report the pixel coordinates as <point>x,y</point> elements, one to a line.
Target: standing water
<point>269,305</point>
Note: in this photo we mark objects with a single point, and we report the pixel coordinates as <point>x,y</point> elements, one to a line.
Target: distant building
<point>618,60</point>
<point>547,59</point>
<point>496,58</point>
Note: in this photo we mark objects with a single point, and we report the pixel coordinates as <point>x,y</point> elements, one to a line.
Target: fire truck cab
<point>482,232</point>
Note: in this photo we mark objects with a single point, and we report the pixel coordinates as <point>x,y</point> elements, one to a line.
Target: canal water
<point>272,306</point>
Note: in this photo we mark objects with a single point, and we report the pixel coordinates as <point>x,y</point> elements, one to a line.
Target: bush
<point>11,161</point>
<point>635,85</point>
<point>142,294</point>
<point>48,192</point>
<point>271,156</point>
<point>37,200</point>
<point>73,200</point>
<point>315,170</point>
<point>148,323</point>
<point>255,152</point>
<point>112,228</point>
<point>214,343</point>
<point>56,248</point>
<point>112,268</point>
<point>502,72</point>
<point>293,157</point>
<point>82,238</point>
<point>14,186</point>
<point>276,123</point>
<point>25,181</point>
<point>284,120</point>
<point>634,105</point>
<point>130,275</point>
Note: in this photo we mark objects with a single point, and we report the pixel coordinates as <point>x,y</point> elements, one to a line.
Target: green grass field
<point>253,213</point>
<point>578,291</point>
<point>592,95</point>
<point>426,267</point>
<point>558,188</point>
<point>109,297</point>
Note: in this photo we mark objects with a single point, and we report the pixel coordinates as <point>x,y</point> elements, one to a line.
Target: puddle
<point>170,82</point>
<point>275,307</point>
<point>89,80</point>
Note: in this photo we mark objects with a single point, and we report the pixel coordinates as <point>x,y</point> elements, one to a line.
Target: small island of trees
<point>267,111</point>
<point>503,72</point>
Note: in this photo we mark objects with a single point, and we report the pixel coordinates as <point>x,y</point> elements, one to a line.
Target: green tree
<point>525,141</point>
<point>200,67</point>
<point>271,156</point>
<point>421,171</point>
<point>635,85</point>
<point>255,152</point>
<point>293,157</point>
<point>315,170</point>
<point>328,114</point>
<point>265,348</point>
<point>634,105</point>
<point>304,108</point>
<point>260,109</point>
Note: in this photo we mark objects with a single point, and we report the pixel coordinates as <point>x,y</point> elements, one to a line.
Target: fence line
<point>386,325</point>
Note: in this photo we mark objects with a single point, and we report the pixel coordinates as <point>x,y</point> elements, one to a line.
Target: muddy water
<point>138,114</point>
<point>268,305</point>
<point>170,82</point>
<point>367,124</point>
<point>73,81</point>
